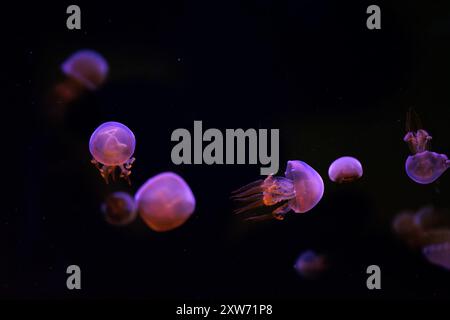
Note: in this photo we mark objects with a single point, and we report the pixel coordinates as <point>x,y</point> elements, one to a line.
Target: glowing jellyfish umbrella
<point>345,169</point>
<point>112,146</point>
<point>165,202</point>
<point>300,190</point>
<point>119,209</point>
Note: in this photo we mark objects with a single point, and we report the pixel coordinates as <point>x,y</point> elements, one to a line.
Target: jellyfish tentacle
<point>281,211</point>
<point>277,189</point>
<point>252,197</point>
<point>250,206</point>
<point>263,217</point>
<point>249,189</point>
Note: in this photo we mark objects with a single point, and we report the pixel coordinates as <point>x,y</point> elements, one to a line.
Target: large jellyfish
<point>345,169</point>
<point>310,264</point>
<point>165,202</point>
<point>119,209</point>
<point>300,190</point>
<point>423,166</point>
<point>112,145</point>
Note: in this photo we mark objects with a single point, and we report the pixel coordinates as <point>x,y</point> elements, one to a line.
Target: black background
<point>309,68</point>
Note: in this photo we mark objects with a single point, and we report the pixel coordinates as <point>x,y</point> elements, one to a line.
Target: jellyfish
<point>86,67</point>
<point>84,70</point>
<point>165,202</point>
<point>119,209</point>
<point>300,191</point>
<point>112,145</point>
<point>423,166</point>
<point>405,228</point>
<point>431,218</point>
<point>310,264</point>
<point>345,169</point>
<point>438,254</point>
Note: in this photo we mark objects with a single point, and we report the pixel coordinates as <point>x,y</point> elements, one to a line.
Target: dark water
<point>309,68</point>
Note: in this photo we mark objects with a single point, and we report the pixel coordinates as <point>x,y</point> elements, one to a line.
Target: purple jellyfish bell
<point>426,167</point>
<point>345,169</point>
<point>87,67</point>
<point>165,202</point>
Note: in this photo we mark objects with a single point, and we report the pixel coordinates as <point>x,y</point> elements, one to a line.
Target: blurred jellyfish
<point>119,209</point>
<point>406,229</point>
<point>87,67</point>
<point>84,70</point>
<point>112,145</point>
<point>423,166</point>
<point>429,218</point>
<point>300,190</point>
<point>165,201</point>
<point>310,264</point>
<point>438,254</point>
<point>345,169</point>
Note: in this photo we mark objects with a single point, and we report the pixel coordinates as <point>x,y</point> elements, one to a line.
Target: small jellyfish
<point>345,169</point>
<point>87,67</point>
<point>165,201</point>
<point>310,264</point>
<point>423,166</point>
<point>405,228</point>
<point>300,190</point>
<point>112,145</point>
<point>438,254</point>
<point>119,209</point>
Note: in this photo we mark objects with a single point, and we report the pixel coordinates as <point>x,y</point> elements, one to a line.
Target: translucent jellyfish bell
<point>165,202</point>
<point>426,167</point>
<point>310,264</point>
<point>345,169</point>
<point>423,166</point>
<point>112,145</point>
<point>119,209</point>
<point>300,190</point>
<point>87,67</point>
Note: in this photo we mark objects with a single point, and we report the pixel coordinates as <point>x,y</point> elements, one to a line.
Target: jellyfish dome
<point>87,67</point>
<point>345,169</point>
<point>426,167</point>
<point>310,264</point>
<point>165,202</point>
<point>119,209</point>
<point>112,145</point>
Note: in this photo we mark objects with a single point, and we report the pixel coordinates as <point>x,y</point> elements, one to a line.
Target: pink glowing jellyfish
<point>165,202</point>
<point>301,190</point>
<point>119,209</point>
<point>423,166</point>
<point>345,169</point>
<point>310,264</point>
<point>87,67</point>
<point>112,145</point>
